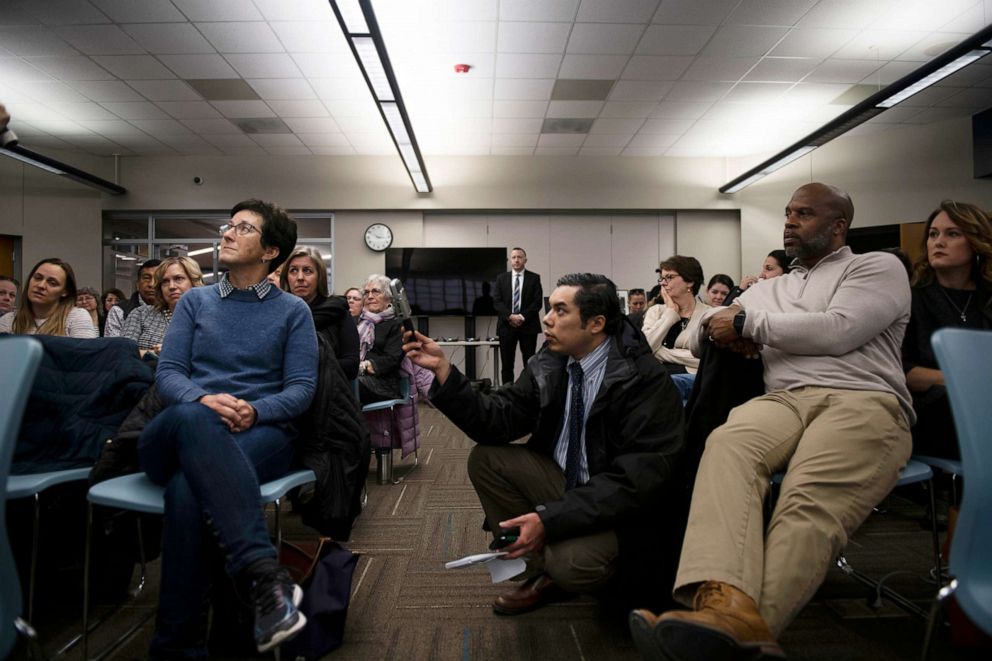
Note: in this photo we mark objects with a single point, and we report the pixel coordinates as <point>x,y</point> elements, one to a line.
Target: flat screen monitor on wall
<point>447,281</point>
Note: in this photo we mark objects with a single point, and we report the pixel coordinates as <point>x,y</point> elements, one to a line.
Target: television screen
<point>447,281</point>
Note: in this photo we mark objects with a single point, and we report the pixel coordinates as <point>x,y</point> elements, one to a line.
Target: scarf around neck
<point>366,328</point>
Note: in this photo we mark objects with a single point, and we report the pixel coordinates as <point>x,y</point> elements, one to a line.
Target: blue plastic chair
<point>950,466</point>
<point>25,486</point>
<point>20,357</point>
<point>137,493</point>
<point>965,358</point>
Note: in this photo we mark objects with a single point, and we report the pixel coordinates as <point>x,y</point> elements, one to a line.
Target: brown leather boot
<point>725,625</point>
<point>532,594</point>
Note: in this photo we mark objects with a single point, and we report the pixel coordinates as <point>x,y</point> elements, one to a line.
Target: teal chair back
<point>965,358</point>
<point>20,357</point>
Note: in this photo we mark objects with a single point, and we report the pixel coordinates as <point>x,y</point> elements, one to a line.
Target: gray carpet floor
<point>405,605</point>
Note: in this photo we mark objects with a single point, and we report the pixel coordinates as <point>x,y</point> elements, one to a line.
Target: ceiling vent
<point>224,89</point>
<point>566,125</point>
<point>253,125</point>
<point>566,89</point>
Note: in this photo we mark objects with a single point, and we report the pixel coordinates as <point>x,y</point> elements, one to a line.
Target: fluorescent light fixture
<point>201,251</point>
<point>936,76</point>
<point>357,20</point>
<point>126,259</point>
<point>968,51</point>
<point>24,155</point>
<point>351,14</point>
<point>374,71</point>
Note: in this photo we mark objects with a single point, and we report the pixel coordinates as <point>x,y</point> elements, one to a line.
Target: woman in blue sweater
<point>238,366</point>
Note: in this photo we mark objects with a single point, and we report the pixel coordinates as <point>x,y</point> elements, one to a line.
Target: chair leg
<point>935,534</point>
<point>27,632</point>
<point>86,580</point>
<point>278,524</point>
<point>942,596</point>
<point>34,556</point>
<point>141,557</point>
<point>384,465</point>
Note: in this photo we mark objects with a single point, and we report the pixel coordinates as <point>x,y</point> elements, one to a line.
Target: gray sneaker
<point>277,618</point>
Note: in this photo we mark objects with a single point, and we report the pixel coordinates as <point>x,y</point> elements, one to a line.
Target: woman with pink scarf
<point>381,337</point>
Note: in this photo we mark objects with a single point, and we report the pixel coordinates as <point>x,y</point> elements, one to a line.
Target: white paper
<point>500,569</point>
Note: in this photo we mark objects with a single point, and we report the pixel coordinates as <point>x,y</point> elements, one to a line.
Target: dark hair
<point>636,291</point>
<point>976,226</point>
<point>7,278</point>
<point>520,249</point>
<point>278,229</point>
<point>148,264</point>
<point>688,268</point>
<point>782,259</point>
<point>116,292</point>
<point>597,295</point>
<point>723,279</point>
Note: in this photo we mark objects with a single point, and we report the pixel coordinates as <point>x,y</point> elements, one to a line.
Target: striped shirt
<point>146,325</point>
<point>261,289</point>
<point>593,371</point>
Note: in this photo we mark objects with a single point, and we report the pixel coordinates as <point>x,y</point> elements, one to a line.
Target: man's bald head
<point>832,197</point>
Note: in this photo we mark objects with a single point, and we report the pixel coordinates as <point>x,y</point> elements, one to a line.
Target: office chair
<point>20,357</point>
<point>965,358</point>
<point>379,415</point>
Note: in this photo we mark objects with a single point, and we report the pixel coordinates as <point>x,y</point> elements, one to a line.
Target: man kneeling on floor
<point>835,418</point>
<point>605,425</point>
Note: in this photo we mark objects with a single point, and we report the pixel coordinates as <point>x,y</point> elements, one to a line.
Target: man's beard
<point>814,247</point>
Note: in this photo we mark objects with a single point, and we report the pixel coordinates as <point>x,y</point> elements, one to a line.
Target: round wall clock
<point>378,236</point>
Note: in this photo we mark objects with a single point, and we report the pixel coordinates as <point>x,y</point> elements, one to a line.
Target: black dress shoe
<point>530,595</point>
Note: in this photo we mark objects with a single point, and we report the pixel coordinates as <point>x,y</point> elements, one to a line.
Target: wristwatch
<point>739,319</point>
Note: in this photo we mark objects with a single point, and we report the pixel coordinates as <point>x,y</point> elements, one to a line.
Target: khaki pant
<point>512,480</point>
<point>842,451</point>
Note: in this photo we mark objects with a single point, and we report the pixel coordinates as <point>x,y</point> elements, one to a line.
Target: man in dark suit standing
<point>517,300</point>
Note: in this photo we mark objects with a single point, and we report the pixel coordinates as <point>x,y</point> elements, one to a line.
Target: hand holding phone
<point>505,537</point>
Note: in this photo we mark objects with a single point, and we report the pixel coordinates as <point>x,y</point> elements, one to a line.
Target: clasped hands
<point>720,328</point>
<point>236,413</point>
<point>516,320</point>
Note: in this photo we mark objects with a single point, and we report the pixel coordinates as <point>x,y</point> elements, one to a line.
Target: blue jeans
<point>211,479</point>
<point>684,383</point>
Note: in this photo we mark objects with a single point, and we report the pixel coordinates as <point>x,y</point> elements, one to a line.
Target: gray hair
<point>382,282</point>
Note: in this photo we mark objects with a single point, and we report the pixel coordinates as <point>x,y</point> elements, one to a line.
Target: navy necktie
<point>576,419</point>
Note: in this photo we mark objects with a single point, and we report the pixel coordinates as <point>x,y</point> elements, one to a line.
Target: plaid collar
<point>261,289</point>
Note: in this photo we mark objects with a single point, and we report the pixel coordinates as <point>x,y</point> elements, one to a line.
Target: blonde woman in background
<point>146,325</point>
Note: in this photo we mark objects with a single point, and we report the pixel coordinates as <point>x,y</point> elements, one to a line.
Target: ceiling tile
<point>519,108</point>
<point>189,109</point>
<point>437,10</point>
<point>971,20</point>
<point>675,39</point>
<point>264,65</point>
<point>546,10</point>
<point>517,125</point>
<point>33,112</point>
<point>556,151</point>
<point>807,94</point>
<point>878,45</point>
<point>714,69</point>
<point>16,70</point>
<point>512,151</point>
<point>106,90</point>
<point>523,89</point>
<point>333,151</point>
<point>781,69</point>
<point>295,10</point>
<point>928,115</point>
<point>27,41</point>
<point>298,108</point>
<point>67,12</point>
<point>165,90</point>
<point>652,141</point>
<point>243,108</point>
<point>645,152</point>
<point>247,37</point>
<point>223,140</point>
<point>756,92</point>
<point>362,106</point>
<point>161,127</point>
<point>581,90</point>
<point>657,67</point>
<point>312,125</point>
<point>515,139</point>
<point>693,12</point>
<point>697,91</point>
<point>517,37</point>
<point>79,112</point>
<point>51,91</point>
<point>134,67</point>
<point>680,110</point>
<point>604,38</point>
<point>931,96</point>
<point>312,37</point>
<point>769,12</point>
<point>890,73</point>
<point>179,38</point>
<point>212,126</point>
<point>513,65</point>
<point>842,71</point>
<point>975,98</point>
<point>61,127</point>
<point>255,125</point>
<point>112,127</point>
<point>617,11</point>
<point>282,88</point>
<point>639,109</point>
<point>143,144</point>
<point>600,151</point>
<point>139,11</point>
<point>75,67</point>
<point>607,140</point>
<point>561,140</point>
<point>574,108</point>
<point>131,110</point>
<point>812,42</point>
<point>199,66</point>
<point>99,39</point>
<point>743,41</point>
<point>223,89</point>
<point>931,46</point>
<point>922,15</point>
<point>592,67</point>
<point>338,88</point>
<point>324,139</point>
<point>622,125</point>
<point>666,126</point>
<point>844,14</point>
<point>218,10</point>
<point>640,90</point>
<point>254,150</point>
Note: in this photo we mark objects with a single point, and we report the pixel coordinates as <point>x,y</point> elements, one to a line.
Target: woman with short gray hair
<point>381,337</point>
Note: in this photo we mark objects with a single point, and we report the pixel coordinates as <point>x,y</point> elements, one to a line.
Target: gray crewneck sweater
<point>839,324</point>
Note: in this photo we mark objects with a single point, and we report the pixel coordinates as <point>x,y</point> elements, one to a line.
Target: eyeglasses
<point>664,279</point>
<point>243,228</point>
<point>353,298</point>
<point>370,292</point>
